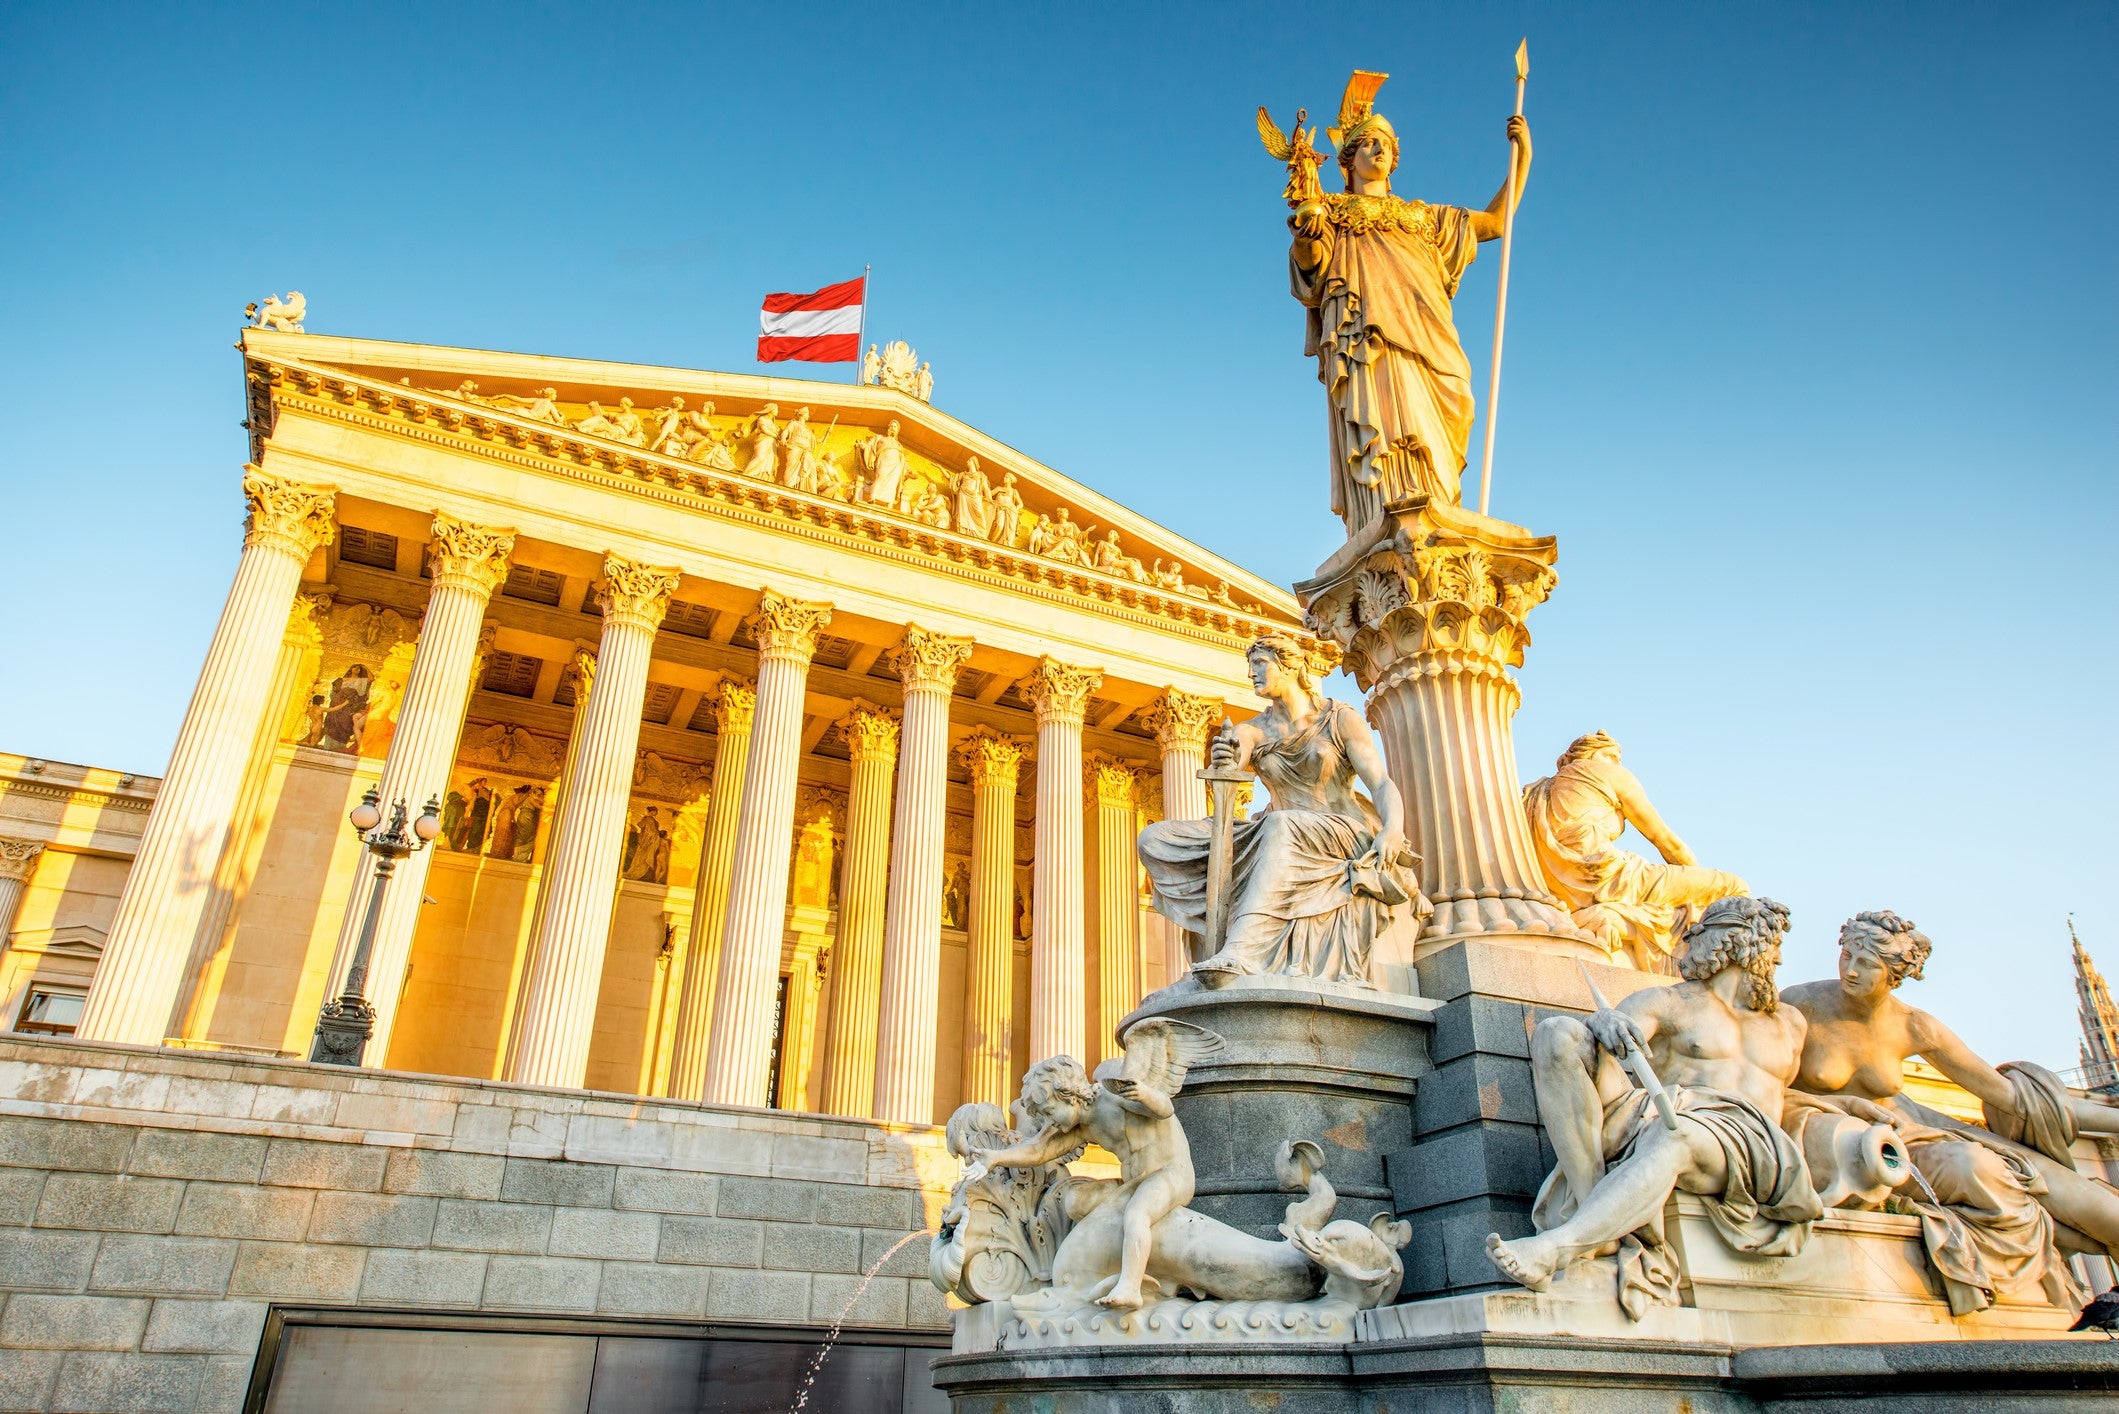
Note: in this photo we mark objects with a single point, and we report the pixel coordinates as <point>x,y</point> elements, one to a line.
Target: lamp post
<point>344,1024</point>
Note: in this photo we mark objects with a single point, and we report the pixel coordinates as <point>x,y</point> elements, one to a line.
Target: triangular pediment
<point>75,941</point>
<point>702,430</point>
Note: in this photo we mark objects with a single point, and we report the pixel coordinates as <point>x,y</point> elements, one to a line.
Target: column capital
<point>1181,720</point>
<point>929,661</point>
<point>286,515</point>
<point>635,594</point>
<point>305,628</point>
<point>18,858</point>
<point>787,627</point>
<point>735,703</point>
<point>580,673</point>
<point>473,557</point>
<point>1060,691</point>
<point>993,758</point>
<point>1110,781</point>
<point>870,732</point>
<point>487,634</point>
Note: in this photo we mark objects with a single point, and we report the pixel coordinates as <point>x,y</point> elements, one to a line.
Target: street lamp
<point>345,1024</point>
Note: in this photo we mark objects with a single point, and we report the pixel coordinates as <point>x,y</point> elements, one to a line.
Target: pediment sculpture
<point>1072,1259</point>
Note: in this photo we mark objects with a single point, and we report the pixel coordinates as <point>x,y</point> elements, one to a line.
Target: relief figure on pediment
<point>974,501</point>
<point>883,458</point>
<point>1113,560</point>
<point>799,467</point>
<point>542,408</point>
<point>763,444</point>
<point>1007,511</point>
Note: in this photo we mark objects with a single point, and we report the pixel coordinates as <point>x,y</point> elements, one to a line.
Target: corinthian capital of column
<point>580,672</point>
<point>1181,720</point>
<point>305,627</point>
<point>18,858</point>
<point>930,660</point>
<point>786,628</point>
<point>634,594</point>
<point>286,515</point>
<point>474,557</point>
<point>870,732</point>
<point>1059,691</point>
<point>735,703</point>
<point>991,757</point>
<point>1111,783</point>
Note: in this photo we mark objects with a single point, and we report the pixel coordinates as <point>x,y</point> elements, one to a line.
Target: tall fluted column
<point>739,1054</point>
<point>171,883</point>
<point>299,650</point>
<point>857,958</point>
<point>912,926</point>
<point>469,563</point>
<point>989,972</point>
<point>1181,722</point>
<point>18,860</point>
<point>566,965</point>
<point>734,704</point>
<point>578,677</point>
<point>1431,620</point>
<point>1114,788</point>
<point>1058,983</point>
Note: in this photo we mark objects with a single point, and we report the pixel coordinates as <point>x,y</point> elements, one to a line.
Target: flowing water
<point>831,1336</point>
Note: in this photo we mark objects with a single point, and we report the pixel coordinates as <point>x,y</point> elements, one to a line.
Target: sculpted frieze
<point>519,751</point>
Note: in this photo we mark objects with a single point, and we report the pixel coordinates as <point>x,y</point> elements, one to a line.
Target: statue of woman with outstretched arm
<point>2005,1202</point>
<point>1318,874</point>
<point>1377,275</point>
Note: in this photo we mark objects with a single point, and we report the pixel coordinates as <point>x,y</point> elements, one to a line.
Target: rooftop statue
<point>1633,906</point>
<point>1319,874</point>
<point>1726,1052</point>
<point>1999,1206</point>
<point>1377,274</point>
<point>283,315</point>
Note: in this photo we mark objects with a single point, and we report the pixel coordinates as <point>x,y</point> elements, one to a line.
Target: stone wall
<point>154,1203</point>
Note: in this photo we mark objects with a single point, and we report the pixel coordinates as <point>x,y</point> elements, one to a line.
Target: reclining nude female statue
<point>1999,1205</point>
<point>1320,872</point>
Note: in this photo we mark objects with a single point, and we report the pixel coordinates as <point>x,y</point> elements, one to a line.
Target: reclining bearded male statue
<point>1726,1052</point>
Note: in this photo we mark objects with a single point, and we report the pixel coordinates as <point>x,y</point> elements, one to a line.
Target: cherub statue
<point>282,315</point>
<point>1130,1113</point>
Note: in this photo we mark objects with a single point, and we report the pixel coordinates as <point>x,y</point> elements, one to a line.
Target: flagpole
<point>861,338</point>
<point>1508,231</point>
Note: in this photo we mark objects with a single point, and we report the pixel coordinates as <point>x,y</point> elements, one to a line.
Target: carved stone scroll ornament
<point>1048,1247</point>
<point>991,757</point>
<point>286,515</point>
<point>18,858</point>
<point>474,556</point>
<point>1059,691</point>
<point>1111,783</point>
<point>870,732</point>
<point>579,674</point>
<point>786,627</point>
<point>635,594</point>
<point>735,703</point>
<point>930,660</point>
<point>1181,720</point>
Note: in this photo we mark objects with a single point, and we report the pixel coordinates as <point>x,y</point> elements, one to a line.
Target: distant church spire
<point>2100,1021</point>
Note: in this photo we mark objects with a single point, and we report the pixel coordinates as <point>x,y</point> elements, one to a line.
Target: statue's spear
<point>1632,1058</point>
<point>1508,231</point>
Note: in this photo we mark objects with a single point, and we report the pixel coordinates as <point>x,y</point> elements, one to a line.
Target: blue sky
<point>1811,361</point>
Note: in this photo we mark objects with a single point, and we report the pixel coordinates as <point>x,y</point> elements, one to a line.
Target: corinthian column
<point>469,562</point>
<point>1058,984</point>
<point>1181,722</point>
<point>857,959</point>
<point>739,1057</point>
<point>171,883</point>
<point>1115,789</point>
<point>912,927</point>
<point>989,973</point>
<point>734,703</point>
<point>1431,618</point>
<point>18,860</point>
<point>566,965</point>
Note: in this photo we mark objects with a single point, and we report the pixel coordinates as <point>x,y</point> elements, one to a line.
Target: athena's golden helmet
<point>1358,119</point>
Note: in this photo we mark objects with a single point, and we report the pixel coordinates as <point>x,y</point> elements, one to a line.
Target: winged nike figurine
<point>1299,152</point>
<point>1129,1112</point>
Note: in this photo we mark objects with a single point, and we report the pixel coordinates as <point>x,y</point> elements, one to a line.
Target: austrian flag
<point>824,327</point>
